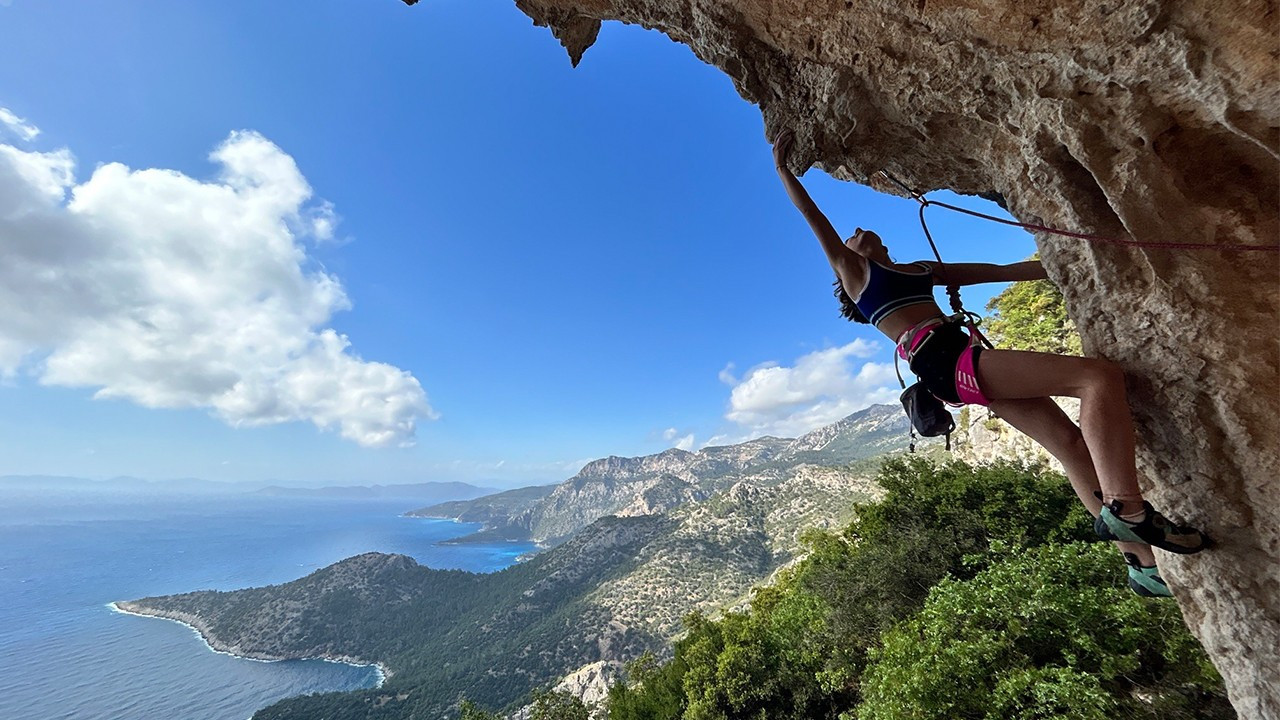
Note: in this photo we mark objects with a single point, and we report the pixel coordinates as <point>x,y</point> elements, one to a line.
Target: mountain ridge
<point>663,481</point>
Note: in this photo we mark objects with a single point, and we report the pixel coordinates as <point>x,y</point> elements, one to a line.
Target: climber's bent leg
<point>1044,422</point>
<point>1107,430</point>
<point>1105,423</point>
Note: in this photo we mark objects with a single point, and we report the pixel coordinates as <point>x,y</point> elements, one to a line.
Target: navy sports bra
<point>888,290</point>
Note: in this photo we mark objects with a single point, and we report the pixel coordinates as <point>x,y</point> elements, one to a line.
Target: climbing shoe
<point>1145,580</point>
<point>1152,529</point>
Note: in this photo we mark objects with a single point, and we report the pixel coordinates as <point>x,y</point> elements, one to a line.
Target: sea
<point>65,556</point>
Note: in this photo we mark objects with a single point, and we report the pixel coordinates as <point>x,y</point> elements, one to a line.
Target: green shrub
<point>1049,632</point>
<point>649,691</point>
<point>472,711</point>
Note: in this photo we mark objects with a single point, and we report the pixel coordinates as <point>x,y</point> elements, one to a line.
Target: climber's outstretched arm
<point>976,273</point>
<point>842,259</point>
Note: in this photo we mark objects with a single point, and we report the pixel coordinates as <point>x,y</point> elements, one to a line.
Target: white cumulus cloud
<point>172,292</point>
<point>673,436</point>
<point>16,125</point>
<point>820,388</point>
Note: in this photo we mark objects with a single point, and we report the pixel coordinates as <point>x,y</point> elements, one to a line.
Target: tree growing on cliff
<point>472,711</point>
<point>651,690</point>
<point>1032,316</point>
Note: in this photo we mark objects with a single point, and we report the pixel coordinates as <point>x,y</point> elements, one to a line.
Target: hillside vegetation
<point>443,634</point>
<point>963,593</point>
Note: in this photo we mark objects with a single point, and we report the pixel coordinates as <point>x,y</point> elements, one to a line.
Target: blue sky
<point>427,248</point>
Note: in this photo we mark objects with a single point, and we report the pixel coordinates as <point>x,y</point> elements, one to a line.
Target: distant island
<point>125,483</point>
<point>416,491</point>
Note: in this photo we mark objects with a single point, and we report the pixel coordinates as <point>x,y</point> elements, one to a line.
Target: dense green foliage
<point>472,711</point>
<point>1048,632</point>
<point>809,647</point>
<point>656,690</point>
<point>1032,316</point>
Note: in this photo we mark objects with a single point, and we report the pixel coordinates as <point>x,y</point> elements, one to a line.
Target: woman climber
<point>1098,455</point>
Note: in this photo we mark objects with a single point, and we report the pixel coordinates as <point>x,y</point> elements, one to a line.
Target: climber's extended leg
<point>1043,421</point>
<point>1106,428</point>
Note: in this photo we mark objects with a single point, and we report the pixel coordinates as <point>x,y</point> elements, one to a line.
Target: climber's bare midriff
<point>900,321</point>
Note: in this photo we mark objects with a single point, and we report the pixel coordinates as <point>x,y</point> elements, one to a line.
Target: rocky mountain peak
<point>618,468</point>
<point>650,484</point>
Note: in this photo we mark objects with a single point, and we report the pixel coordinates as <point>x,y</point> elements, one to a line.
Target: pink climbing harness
<point>966,371</point>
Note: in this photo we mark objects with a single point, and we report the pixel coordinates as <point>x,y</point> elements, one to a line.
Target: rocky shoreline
<point>201,629</point>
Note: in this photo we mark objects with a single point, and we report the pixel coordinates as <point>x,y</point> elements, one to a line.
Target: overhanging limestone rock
<point>1156,119</point>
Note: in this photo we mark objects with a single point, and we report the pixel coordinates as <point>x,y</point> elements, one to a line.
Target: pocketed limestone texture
<point>1154,121</point>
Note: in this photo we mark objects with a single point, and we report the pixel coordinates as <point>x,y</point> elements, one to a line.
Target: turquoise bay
<point>64,653</point>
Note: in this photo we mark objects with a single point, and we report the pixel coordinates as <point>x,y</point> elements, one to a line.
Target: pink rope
<point>1099,238</point>
<point>924,202</point>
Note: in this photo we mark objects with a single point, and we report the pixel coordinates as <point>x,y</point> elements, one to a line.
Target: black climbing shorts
<point>936,358</point>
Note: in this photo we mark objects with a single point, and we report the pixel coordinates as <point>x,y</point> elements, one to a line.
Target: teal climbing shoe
<point>1153,529</point>
<point>1145,580</point>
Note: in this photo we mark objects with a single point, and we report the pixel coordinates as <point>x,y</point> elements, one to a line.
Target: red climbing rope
<point>925,202</point>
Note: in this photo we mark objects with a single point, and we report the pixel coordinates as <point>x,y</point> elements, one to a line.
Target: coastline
<point>414,514</point>
<point>487,534</point>
<point>193,623</point>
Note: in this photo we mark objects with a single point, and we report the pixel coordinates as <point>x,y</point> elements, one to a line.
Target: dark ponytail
<point>847,309</point>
